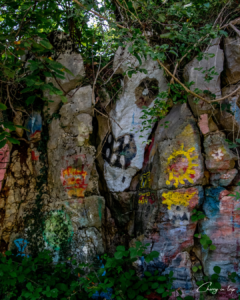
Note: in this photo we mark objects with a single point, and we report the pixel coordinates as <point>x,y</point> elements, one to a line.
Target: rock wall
<point>135,190</point>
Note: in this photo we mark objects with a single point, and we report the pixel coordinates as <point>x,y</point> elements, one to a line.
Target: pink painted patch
<point>203,123</point>
<point>4,159</point>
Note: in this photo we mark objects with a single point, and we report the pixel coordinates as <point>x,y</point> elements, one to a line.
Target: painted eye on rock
<point>107,152</point>
<point>119,153</point>
<point>122,160</point>
<point>126,139</point>
<point>113,158</point>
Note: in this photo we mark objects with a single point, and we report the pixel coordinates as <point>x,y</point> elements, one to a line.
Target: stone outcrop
<point>125,153</point>
<point>110,184</point>
<point>232,56</point>
<point>199,72</point>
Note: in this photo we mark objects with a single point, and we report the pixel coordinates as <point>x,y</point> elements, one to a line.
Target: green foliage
<point>205,241</point>
<point>121,276</point>
<point>209,284</point>
<point>197,215</point>
<point>232,144</point>
<point>196,268</point>
<point>38,278</point>
<point>154,113</point>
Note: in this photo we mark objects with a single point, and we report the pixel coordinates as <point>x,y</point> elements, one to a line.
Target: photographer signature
<point>214,290</point>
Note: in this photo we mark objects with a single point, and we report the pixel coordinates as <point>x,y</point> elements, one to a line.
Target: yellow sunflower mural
<point>180,166</point>
<point>177,198</point>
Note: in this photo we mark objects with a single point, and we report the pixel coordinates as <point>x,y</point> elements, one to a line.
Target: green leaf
<point>68,71</point>
<point>120,248</point>
<point>155,285</point>
<point>160,290</point>
<point>195,269</point>
<point>30,100</point>
<point>46,44</point>
<point>162,278</point>
<point>131,293</point>
<point>3,143</point>
<point>64,99</point>
<point>213,247</point>
<point>29,286</point>
<point>13,141</point>
<point>3,106</point>
<point>166,35</point>
<point>217,269</point>
<point>148,274</point>
<point>161,18</point>
<point>118,255</point>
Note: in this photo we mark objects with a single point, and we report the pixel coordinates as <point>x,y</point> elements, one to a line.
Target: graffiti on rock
<point>4,159</point>
<point>180,166</point>
<point>146,92</point>
<point>149,197</point>
<point>21,245</point>
<point>73,181</point>
<point>145,181</point>
<point>218,154</point>
<point>35,157</point>
<point>177,198</point>
<point>58,229</point>
<point>120,153</point>
<point>34,126</point>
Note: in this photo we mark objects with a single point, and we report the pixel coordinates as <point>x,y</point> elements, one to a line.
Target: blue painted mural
<point>34,126</point>
<point>21,245</point>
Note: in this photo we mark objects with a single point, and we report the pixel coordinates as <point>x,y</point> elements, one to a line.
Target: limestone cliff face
<point>135,190</point>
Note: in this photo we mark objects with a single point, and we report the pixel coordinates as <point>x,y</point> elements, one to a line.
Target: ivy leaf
<point>194,269</point>
<point>217,269</point>
<point>213,247</point>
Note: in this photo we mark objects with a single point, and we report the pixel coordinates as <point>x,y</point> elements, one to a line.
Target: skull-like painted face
<point>124,157</point>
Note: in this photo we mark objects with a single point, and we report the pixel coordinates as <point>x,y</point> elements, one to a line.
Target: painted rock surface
<point>34,126</point>
<point>169,219</point>
<point>218,155</point>
<point>125,157</point>
<point>222,226</point>
<point>213,58</point>
<point>175,159</point>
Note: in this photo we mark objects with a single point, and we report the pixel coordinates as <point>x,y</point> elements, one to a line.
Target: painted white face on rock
<point>126,120</point>
<point>122,160</point>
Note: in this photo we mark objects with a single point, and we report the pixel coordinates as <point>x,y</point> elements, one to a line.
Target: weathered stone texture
<point>232,55</point>
<point>222,226</point>
<point>214,63</point>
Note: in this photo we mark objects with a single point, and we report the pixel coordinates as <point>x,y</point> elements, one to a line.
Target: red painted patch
<point>147,152</point>
<point>34,156</point>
